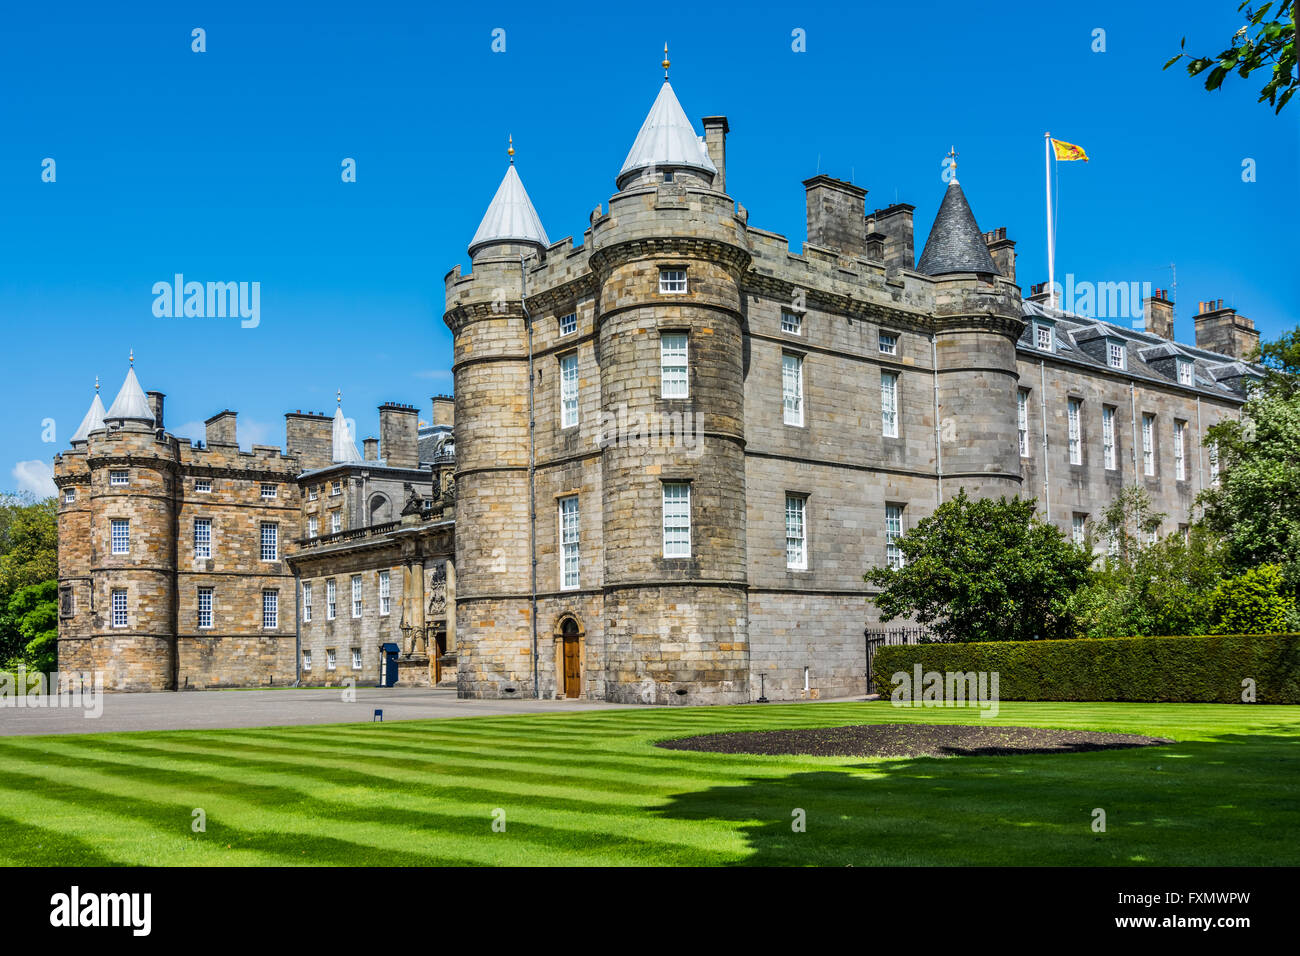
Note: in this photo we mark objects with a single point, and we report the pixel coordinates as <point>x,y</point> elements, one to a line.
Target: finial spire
<point>667,62</point>
<point>340,397</point>
<point>510,150</point>
<point>131,358</point>
<point>953,154</point>
<point>96,384</point>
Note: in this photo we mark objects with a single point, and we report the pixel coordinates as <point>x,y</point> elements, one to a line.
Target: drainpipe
<point>1200,483</point>
<point>532,476</point>
<point>1133,424</point>
<point>938,445</point>
<point>1042,405</point>
<point>297,628</point>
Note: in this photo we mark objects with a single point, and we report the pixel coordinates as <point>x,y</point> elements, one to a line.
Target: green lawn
<point>589,788</point>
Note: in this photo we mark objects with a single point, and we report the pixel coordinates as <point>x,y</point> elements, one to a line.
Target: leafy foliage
<point>1271,42</point>
<point>984,570</point>
<point>35,609</point>
<point>1254,602</point>
<point>28,556</point>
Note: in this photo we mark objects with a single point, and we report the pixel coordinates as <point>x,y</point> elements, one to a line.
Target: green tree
<point>1261,43</point>
<point>29,548</point>
<point>984,570</point>
<point>1128,524</point>
<point>1253,603</point>
<point>35,610</point>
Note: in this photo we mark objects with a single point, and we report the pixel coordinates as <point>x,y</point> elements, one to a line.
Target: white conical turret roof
<point>510,216</point>
<point>94,420</point>
<point>345,447</point>
<point>667,139</point>
<point>131,403</point>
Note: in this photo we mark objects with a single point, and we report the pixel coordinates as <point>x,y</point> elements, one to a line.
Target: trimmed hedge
<point>1181,669</point>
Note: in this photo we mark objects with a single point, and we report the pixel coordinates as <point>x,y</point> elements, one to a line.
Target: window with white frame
<point>1116,354</point>
<point>1148,444</point>
<point>889,404</point>
<point>569,390</point>
<point>269,490</point>
<point>1214,461</point>
<point>893,531</point>
<point>336,488</point>
<point>1108,436</point>
<point>331,600</point>
<point>118,604</point>
<point>331,661</point>
<point>569,323</point>
<point>313,526</point>
<point>677,520</point>
<point>203,484</point>
<point>1180,456</point>
<point>1074,413</point>
<point>1186,372</point>
<point>1043,336</point>
<point>205,607</point>
<point>270,541</point>
<point>311,493</point>
<point>69,495</point>
<point>120,535</point>
<point>202,537</point>
<point>792,387</point>
<point>1022,421</point>
<point>569,542</point>
<point>306,602</point>
<point>336,521</point>
<point>385,594</point>
<point>1079,528</point>
<point>270,610</point>
<point>887,343</point>
<point>796,540</point>
<point>672,364</point>
<point>791,322</point>
<point>306,660</point>
<point>356,658</point>
<point>356,595</point>
<point>117,479</point>
<point>672,281</point>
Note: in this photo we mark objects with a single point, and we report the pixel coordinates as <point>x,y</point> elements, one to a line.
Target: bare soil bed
<point>911,740</point>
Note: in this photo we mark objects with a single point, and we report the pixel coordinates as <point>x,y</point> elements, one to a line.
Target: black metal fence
<point>883,636</point>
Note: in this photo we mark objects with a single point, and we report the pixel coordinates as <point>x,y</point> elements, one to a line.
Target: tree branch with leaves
<point>1257,45</point>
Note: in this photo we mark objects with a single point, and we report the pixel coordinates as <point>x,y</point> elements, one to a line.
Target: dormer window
<point>1185,372</point>
<point>1044,337</point>
<point>1116,354</point>
<point>672,281</point>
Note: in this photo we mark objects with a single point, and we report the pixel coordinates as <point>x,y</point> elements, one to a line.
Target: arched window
<point>380,510</point>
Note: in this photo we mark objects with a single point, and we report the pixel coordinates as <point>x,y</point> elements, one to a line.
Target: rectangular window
<point>888,343</point>
<point>356,595</point>
<point>672,281</point>
<point>269,490</point>
<point>118,478</point>
<point>306,602</point>
<point>385,593</point>
<point>791,322</point>
<point>1073,410</point>
<point>120,536</point>
<point>568,390</point>
<point>331,600</point>
<point>796,550</point>
<point>205,607</point>
<point>889,404</point>
<point>792,387</point>
<point>1108,436</point>
<point>569,542</point>
<point>313,526</point>
<point>306,660</point>
<point>1078,527</point>
<point>203,484</point>
<point>569,323</point>
<point>66,604</point>
<point>672,364</point>
<point>336,488</point>
<point>1186,373</point>
<point>356,658</point>
<point>1148,444</point>
<point>270,609</point>
<point>311,493</point>
<point>69,495</point>
<point>331,662</point>
<point>1116,354</point>
<point>270,541</point>
<point>202,537</point>
<point>893,531</point>
<point>1180,457</point>
<point>677,520</point>
<point>1022,421</point>
<point>1043,336</point>
<point>119,607</point>
<point>336,522</point>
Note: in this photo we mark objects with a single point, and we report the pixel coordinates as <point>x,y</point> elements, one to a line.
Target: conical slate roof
<point>510,217</point>
<point>667,139</point>
<point>130,404</point>
<point>94,421</point>
<point>345,447</point>
<point>955,243</point>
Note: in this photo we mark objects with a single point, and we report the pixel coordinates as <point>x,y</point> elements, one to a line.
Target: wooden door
<point>572,664</point>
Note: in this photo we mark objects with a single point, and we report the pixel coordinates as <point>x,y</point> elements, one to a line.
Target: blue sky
<point>225,166</point>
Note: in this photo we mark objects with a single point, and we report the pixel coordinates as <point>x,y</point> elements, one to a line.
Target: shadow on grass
<point>1229,800</point>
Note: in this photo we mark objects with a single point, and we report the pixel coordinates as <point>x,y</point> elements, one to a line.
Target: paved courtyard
<point>197,710</point>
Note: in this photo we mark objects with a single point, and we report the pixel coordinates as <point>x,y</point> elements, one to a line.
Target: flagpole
<point>1051,250</point>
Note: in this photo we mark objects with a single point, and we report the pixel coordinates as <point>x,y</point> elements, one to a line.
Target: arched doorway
<point>568,657</point>
<point>379,510</point>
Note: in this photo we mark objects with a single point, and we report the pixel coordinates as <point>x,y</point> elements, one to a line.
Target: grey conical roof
<point>345,446</point>
<point>94,421</point>
<point>955,243</point>
<point>131,403</point>
<point>510,216</point>
<point>667,139</point>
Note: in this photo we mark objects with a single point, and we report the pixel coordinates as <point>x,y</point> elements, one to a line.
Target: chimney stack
<point>894,224</point>
<point>370,448</point>
<point>836,215</point>
<point>1158,311</point>
<point>1003,251</point>
<point>399,435</point>
<point>156,406</point>
<point>444,410</point>
<point>221,429</point>
<point>715,139</point>
<point>309,437</point>
<point>1222,330</point>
